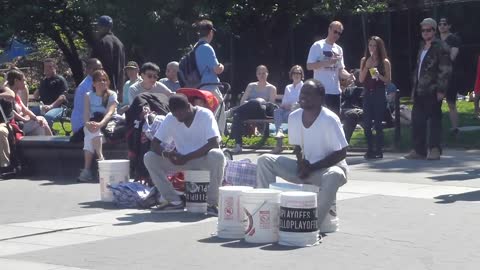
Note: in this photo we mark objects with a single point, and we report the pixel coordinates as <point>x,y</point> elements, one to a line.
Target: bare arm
<point>322,64</point>
<point>273,94</point>
<point>246,94</point>
<point>219,69</point>
<point>330,160</point>
<point>363,70</point>
<point>388,72</point>
<point>86,109</point>
<point>7,94</point>
<point>453,53</point>
<point>110,110</point>
<point>202,151</point>
<point>60,100</point>
<point>36,94</point>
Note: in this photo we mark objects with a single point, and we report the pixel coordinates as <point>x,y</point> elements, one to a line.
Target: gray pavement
<point>394,214</point>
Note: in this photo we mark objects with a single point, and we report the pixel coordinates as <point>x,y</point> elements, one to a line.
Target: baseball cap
<point>131,64</point>
<point>429,21</point>
<point>105,21</point>
<point>205,25</point>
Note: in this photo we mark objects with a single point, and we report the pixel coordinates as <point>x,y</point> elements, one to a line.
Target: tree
<point>67,23</point>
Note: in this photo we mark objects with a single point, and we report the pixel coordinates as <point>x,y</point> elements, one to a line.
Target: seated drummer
<point>194,131</point>
<point>320,147</point>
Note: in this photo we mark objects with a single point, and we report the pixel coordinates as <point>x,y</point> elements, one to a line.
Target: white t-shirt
<point>292,93</point>
<point>136,89</point>
<point>422,56</point>
<point>189,139</point>
<point>328,76</point>
<point>324,137</point>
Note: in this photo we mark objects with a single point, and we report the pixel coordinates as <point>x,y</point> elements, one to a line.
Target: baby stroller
<point>210,100</point>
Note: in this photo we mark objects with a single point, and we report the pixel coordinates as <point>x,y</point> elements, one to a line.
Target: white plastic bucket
<point>196,187</point>
<point>230,212</point>
<point>261,208</point>
<point>331,221</point>
<point>112,171</point>
<point>298,219</point>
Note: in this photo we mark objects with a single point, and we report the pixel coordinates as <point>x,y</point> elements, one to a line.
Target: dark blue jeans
<point>250,110</point>
<point>374,106</point>
<point>426,123</point>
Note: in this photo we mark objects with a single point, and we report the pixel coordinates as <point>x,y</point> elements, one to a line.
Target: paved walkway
<point>395,214</point>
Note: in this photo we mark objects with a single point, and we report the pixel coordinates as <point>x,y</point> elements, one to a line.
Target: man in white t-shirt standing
<point>320,147</point>
<point>195,133</point>
<point>325,58</point>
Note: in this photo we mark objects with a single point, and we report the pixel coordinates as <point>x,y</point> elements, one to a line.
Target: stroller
<point>209,100</point>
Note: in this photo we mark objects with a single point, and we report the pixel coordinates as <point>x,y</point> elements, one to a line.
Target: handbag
<point>240,173</point>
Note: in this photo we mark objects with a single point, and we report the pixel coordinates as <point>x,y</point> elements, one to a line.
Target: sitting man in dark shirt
<point>51,92</point>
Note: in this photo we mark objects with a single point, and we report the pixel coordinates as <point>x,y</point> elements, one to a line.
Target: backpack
<point>188,74</point>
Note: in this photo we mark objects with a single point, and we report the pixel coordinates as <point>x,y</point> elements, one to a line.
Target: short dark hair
<point>149,66</point>
<point>50,60</point>
<point>203,27</point>
<point>178,102</point>
<point>13,75</point>
<point>317,85</point>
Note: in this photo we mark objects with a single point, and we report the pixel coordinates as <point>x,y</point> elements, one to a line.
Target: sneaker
<point>237,150</point>
<point>277,150</point>
<point>369,155</point>
<point>212,210</point>
<point>414,155</point>
<point>85,176</point>
<point>279,134</point>
<point>7,173</point>
<point>169,207</point>
<point>433,154</point>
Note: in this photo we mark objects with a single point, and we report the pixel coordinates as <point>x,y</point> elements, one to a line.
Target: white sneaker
<point>237,150</point>
<point>279,134</point>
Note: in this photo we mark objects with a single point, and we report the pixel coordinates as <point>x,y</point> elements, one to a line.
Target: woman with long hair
<point>32,125</point>
<point>375,73</point>
<point>253,104</point>
<point>100,105</point>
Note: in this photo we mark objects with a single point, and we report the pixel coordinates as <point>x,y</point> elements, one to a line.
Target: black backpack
<point>188,74</point>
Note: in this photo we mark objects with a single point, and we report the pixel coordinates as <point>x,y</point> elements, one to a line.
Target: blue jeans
<point>374,106</point>
<point>51,116</point>
<point>280,116</point>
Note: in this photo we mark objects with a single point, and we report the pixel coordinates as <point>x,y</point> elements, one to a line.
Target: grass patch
<point>465,139</point>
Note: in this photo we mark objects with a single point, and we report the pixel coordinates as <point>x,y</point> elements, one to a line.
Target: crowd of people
<point>313,109</point>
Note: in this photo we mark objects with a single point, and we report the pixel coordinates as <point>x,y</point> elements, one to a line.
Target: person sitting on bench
<point>100,105</point>
<point>253,105</point>
<point>31,124</point>
<point>7,98</point>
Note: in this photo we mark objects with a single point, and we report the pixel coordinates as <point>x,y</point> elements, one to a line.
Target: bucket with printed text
<point>331,221</point>
<point>298,219</point>
<point>230,212</point>
<point>261,208</point>
<point>196,187</point>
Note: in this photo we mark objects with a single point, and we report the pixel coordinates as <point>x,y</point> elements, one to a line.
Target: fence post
<point>397,120</point>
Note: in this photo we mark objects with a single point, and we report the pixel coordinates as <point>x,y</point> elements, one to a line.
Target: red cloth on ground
<point>477,81</point>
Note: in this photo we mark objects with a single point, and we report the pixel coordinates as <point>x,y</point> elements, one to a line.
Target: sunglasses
<point>337,32</point>
<point>427,30</point>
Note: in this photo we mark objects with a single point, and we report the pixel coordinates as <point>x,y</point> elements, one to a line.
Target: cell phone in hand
<point>328,53</point>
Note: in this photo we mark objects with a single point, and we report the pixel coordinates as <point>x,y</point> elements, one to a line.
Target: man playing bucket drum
<point>195,133</point>
<point>320,147</point>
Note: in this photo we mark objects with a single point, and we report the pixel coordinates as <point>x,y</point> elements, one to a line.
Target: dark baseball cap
<point>105,21</point>
<point>131,64</point>
<point>205,25</point>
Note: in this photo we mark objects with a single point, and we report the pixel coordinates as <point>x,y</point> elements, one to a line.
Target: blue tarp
<point>15,49</point>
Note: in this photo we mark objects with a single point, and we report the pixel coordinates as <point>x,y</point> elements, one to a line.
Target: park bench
<point>57,156</point>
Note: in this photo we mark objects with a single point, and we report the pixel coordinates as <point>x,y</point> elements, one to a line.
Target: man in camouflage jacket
<point>429,86</point>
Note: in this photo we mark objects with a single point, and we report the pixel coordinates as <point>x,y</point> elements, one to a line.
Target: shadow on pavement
<point>98,205</point>
<point>137,218</point>
<point>472,196</point>
<point>466,175</point>
<point>215,240</point>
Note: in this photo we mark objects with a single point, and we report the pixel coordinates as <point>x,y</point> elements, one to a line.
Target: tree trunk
<point>71,56</point>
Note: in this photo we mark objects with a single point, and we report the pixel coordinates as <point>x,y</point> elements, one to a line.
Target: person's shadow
<point>472,196</point>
